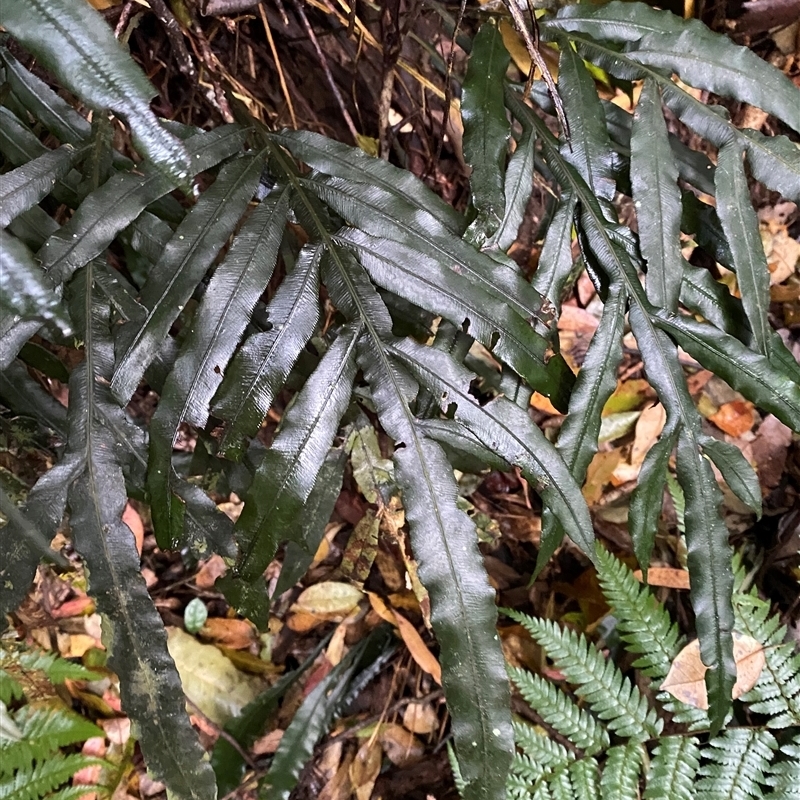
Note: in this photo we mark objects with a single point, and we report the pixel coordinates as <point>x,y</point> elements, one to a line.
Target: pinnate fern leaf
<point>46,776</point>
<point>598,681</point>
<point>557,710</point>
<point>673,768</point>
<point>644,624</point>
<point>621,771</point>
<point>777,692</point>
<point>44,728</point>
<point>735,764</point>
<point>784,775</point>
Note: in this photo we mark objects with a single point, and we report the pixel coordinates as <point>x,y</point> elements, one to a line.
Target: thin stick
<point>276,58</point>
<point>326,69</point>
<point>448,89</point>
<point>532,46</point>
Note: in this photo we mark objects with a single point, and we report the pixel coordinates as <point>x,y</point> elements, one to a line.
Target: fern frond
<point>10,689</point>
<point>777,693</point>
<point>585,776</point>
<point>620,779</point>
<point>673,769</point>
<point>56,669</point>
<point>695,719</point>
<point>735,763</point>
<point>458,778</point>
<point>31,784</point>
<point>643,623</point>
<point>561,787</point>
<point>610,694</point>
<point>45,729</point>
<point>539,746</point>
<point>526,772</point>
<point>784,775</point>
<point>559,711</point>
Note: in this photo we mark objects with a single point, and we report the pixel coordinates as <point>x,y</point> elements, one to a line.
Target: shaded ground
<point>379,74</point>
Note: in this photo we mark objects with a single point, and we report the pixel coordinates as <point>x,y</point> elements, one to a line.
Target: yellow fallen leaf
<point>329,599</point>
<point>209,679</point>
<point>365,769</point>
<point>420,718</point>
<point>686,678</point>
<point>402,748</point>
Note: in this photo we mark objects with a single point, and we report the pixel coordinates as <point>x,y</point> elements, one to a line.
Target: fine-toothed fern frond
<point>735,764</point>
<point>611,695</point>
<point>557,710</point>
<point>784,775</point>
<point>643,623</point>
<point>38,725</point>
<point>40,732</point>
<point>777,693</point>
<point>45,779</point>
<point>673,768</point>
<point>638,761</point>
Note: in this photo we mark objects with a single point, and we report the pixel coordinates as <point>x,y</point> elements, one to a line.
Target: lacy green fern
<point>35,725</point>
<point>613,745</point>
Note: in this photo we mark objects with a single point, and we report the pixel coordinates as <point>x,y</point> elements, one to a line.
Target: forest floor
<point>375,79</point>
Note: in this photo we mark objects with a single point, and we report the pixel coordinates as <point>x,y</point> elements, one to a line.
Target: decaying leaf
<point>686,678</point>
<point>668,577</point>
<point>329,600</point>
<point>370,469</point>
<point>402,748</point>
<point>734,418</point>
<point>413,641</point>
<point>209,679</point>
<point>365,768</point>
<point>420,718</point>
<point>237,634</point>
<point>362,547</point>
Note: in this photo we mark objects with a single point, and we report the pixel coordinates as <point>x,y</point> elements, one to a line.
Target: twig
<point>448,90</point>
<point>175,36</point>
<point>223,734</point>
<point>278,67</point>
<point>326,69</point>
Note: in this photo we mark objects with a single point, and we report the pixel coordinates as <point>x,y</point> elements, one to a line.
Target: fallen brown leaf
<point>402,748</point>
<point>769,449</point>
<point>267,744</point>
<point>686,678</point>
<point>238,634</point>
<point>734,418</point>
<point>130,516</point>
<point>420,718</point>
<point>365,769</point>
<point>411,638</point>
<point>668,577</point>
<point>118,730</point>
<point>328,600</point>
<point>210,569</point>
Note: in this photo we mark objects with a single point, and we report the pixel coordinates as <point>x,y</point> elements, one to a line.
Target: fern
<point>45,778</point>
<point>32,735</point>
<point>739,763</point>
<point>396,265</point>
<point>784,774</point>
